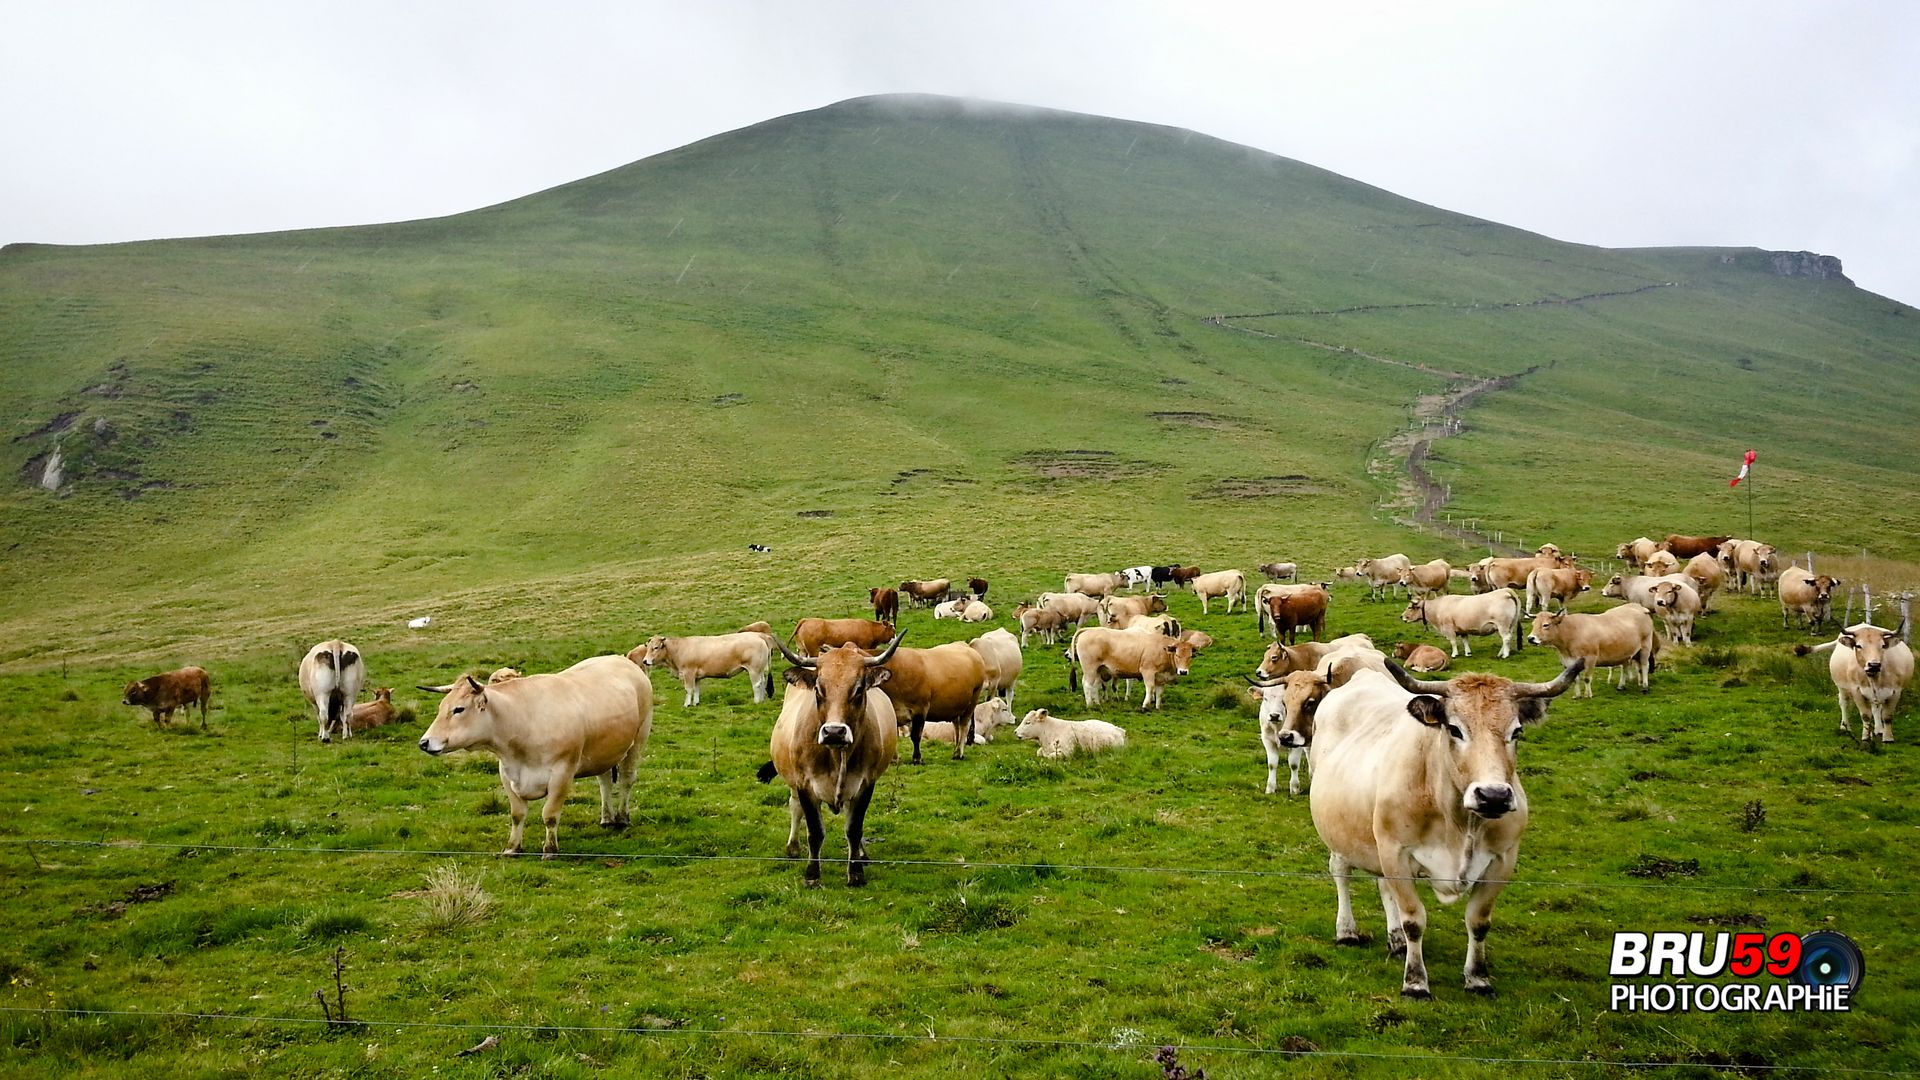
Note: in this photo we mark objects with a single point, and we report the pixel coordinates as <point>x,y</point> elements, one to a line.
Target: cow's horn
<point>1554,688</point>
<point>793,658</point>
<point>447,689</point>
<point>1420,686</point>
<point>886,654</point>
<point>1251,681</point>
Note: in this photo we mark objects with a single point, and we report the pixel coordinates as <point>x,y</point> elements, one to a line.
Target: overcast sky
<point>1777,125</point>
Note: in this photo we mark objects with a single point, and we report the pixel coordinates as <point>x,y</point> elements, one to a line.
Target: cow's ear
<point>799,676</point>
<point>1256,693</point>
<point>1429,709</point>
<point>1849,641</point>
<point>1532,711</point>
<point>876,676</point>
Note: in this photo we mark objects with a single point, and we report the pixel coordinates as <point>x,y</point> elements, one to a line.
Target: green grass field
<point>896,339</point>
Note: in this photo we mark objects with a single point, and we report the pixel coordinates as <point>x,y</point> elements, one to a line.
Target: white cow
<point>331,676</point>
<point>1064,738</point>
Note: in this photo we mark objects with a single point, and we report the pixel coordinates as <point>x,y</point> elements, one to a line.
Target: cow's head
<point>1481,717</point>
<point>839,679</point>
<point>1182,653</point>
<point>137,693</point>
<point>1156,603</point>
<point>653,652</point>
<point>1616,586</point>
<point>1666,596</point>
<point>1278,661</point>
<point>1870,644</point>
<point>1823,587</point>
<point>1584,579</point>
<point>1290,701</point>
<point>1416,612</point>
<point>989,716</point>
<point>1546,627</point>
<point>1030,724</point>
<point>1624,551</point>
<point>465,717</point>
<point>501,675</point>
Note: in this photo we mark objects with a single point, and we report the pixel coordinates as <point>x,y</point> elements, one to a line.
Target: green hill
<point>891,337</point>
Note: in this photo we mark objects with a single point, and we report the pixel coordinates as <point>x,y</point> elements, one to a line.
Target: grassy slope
<point>534,442</point>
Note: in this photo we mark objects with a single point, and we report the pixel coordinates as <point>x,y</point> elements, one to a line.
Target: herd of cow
<point>1411,778</point>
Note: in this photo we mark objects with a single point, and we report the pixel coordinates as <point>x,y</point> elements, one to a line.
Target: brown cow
<point>1686,547</point>
<point>977,586</point>
<point>1183,576</point>
<point>380,711</point>
<point>1289,612</point>
<point>925,592</point>
<point>163,693</point>
<point>886,605</point>
<point>1420,657</point>
<point>811,635</point>
<point>941,683</point>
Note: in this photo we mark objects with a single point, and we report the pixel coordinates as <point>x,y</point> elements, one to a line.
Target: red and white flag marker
<point>1744,466</point>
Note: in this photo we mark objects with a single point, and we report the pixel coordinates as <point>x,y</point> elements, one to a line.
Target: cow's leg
<point>1396,935</point>
<point>1271,740</point>
<point>1844,726</point>
<point>609,780</point>
<point>1147,688</point>
<point>1480,919</point>
<point>1344,930</point>
<point>623,787</point>
<point>516,813</point>
<point>794,818</point>
<point>962,735</point>
<point>914,728</point>
<point>559,786</point>
<point>1413,921</point>
<point>1294,757</point>
<point>856,832</point>
<point>816,833</point>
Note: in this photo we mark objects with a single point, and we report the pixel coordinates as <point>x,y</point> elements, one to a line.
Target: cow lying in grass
<point>1064,738</point>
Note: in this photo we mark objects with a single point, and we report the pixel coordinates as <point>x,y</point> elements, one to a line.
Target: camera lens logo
<point>1828,958</point>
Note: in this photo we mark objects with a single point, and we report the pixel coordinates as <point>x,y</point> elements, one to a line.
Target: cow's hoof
<point>1485,990</point>
<point>1350,939</point>
<point>510,851</point>
<point>856,881</point>
<point>1418,993</point>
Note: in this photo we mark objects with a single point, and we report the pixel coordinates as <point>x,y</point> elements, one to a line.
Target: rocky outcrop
<point>1806,264</point>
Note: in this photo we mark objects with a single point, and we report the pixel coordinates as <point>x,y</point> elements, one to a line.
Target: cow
<point>1678,606</point>
<point>1415,779</point>
<point>721,656</point>
<point>1620,638</point>
<point>836,734</point>
<point>1288,613</point>
<point>1183,576</point>
<point>1638,588</point>
<point>1760,567</point>
<point>886,605</point>
<point>1099,655</point>
<point>1160,624</point>
<point>592,719</point>
<point>941,683</point>
<point>1660,564</point>
<point>1634,552</point>
<point>1136,575</point>
<point>1287,705</point>
<point>1419,657</point>
<point>1458,617</point>
<point>376,713</point>
<point>331,676</point>
<point>1046,622</point>
<point>924,592</point>
<point>761,627</point>
<point>1092,584</point>
<point>978,587</point>
<point>988,717</point>
<point>1546,586</point>
<point>1707,576</point>
<point>972,610</point>
<point>1686,547</point>
<point>1272,588</point>
<point>1512,573</point>
<point>812,635</point>
<point>1806,595</point>
<point>502,674</point>
<point>1383,572</point>
<point>1477,575</point>
<point>1871,668</point>
<point>1228,584</point>
<point>1281,659</point>
<point>951,609</point>
<point>1076,607</point>
<point>1000,653</point>
<point>1280,571</point>
<point>1162,575</point>
<point>1729,562</point>
<point>1115,608</point>
<point>179,689</point>
<point>1199,639</point>
<point>1427,579</point>
<point>1064,738</point>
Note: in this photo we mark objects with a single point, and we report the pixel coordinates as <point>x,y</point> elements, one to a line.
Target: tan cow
<point>1000,652</point>
<point>1427,579</point>
<point>1660,564</point>
<point>161,694</point>
<point>1678,606</point>
<point>941,683</point>
<point>1077,607</point>
<point>974,610</point>
<point>1512,573</point>
<point>331,676</point>
<point>1458,617</point>
<point>376,713</point>
<point>1307,656</point>
<point>812,635</point>
<point>1871,668</point>
<point>1419,657</point>
<point>924,592</point>
<point>592,719</point>
<point>1638,588</point>
<point>1100,655</point>
<point>1619,637</point>
<point>1115,608</point>
<point>1381,573</point>
<point>1758,565</point>
<point>1280,571</point>
<point>1047,622</point>
<point>1634,552</point>
<point>1093,584</point>
<point>988,716</point>
<point>1806,595</point>
<point>1705,572</point>
<point>720,656</point>
<point>836,734</point>
<point>951,609</point>
<point>1287,705</point>
<point>1230,584</point>
<point>1417,780</point>
<point>1547,586</point>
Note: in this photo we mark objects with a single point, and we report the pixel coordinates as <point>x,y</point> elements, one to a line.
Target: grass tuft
<point>453,900</point>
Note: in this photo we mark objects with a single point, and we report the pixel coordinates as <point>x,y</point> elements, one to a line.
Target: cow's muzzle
<point>427,745</point>
<point>1534,639</point>
<point>836,735</point>
<point>1490,800</point>
<point>1292,739</point>
<point>1873,669</point>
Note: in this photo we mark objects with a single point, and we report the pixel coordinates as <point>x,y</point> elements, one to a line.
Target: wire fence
<point>962,863</point>
<point>1129,1045</point>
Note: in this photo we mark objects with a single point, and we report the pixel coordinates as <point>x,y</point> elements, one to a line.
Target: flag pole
<point>1749,502</point>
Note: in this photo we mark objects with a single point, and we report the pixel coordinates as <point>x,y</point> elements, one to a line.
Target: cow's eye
<point>1514,735</point>
<point>458,709</point>
<point>1454,730</point>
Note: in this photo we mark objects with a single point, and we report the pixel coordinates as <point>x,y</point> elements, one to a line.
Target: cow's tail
<point>768,676</point>
<point>1519,618</point>
<point>1073,667</point>
<point>767,773</point>
<point>336,710</point>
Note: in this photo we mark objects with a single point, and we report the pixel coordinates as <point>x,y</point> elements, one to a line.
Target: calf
<point>1620,638</point>
<point>1415,656</point>
<point>1280,571</point>
<point>886,605</point>
<point>988,716</point>
<point>376,713</point>
<point>1064,738</point>
<point>972,610</point>
<point>1458,617</point>
<point>1287,705</point>
<point>1046,622</point>
<point>161,694</point>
